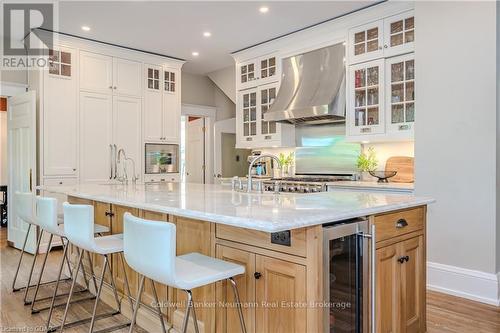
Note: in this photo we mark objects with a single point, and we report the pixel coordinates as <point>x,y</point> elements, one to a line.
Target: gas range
<point>303,183</point>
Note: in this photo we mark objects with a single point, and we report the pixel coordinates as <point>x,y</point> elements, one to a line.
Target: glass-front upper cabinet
<point>248,100</point>
<point>267,95</point>
<point>400,93</point>
<point>384,38</point>
<point>399,33</point>
<point>366,41</point>
<point>366,102</point>
<point>257,71</point>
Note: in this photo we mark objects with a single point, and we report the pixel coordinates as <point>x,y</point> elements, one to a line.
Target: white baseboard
<point>474,285</point>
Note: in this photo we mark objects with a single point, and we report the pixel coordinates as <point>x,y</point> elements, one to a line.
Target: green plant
<point>286,160</point>
<point>367,161</point>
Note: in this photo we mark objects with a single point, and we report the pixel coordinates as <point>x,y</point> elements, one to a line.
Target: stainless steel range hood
<point>312,88</point>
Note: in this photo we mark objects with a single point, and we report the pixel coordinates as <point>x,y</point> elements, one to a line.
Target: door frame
<point>207,112</point>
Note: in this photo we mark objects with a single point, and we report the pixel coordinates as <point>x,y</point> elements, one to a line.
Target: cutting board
<point>404,165</point>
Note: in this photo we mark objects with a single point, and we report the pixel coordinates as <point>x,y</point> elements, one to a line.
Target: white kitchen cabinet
<point>96,118</point>
<point>127,77</point>
<point>59,122</point>
<point>399,34</point>
<point>366,42</point>
<point>153,111</point>
<point>400,94</point>
<point>127,130</point>
<point>383,38</point>
<point>171,105</point>
<point>258,71</point>
<point>162,104</point>
<point>246,117</point>
<point>254,131</point>
<point>96,72</point>
<point>365,104</point>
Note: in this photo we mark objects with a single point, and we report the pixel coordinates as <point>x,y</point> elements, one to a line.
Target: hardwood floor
<point>445,313</point>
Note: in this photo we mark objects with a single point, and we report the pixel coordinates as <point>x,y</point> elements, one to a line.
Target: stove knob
<point>307,190</point>
<point>314,189</point>
<point>292,189</point>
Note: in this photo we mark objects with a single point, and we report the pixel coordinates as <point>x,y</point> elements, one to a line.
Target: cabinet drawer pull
<point>249,139</point>
<point>257,275</point>
<point>268,137</point>
<point>401,223</point>
<point>366,130</point>
<point>110,214</point>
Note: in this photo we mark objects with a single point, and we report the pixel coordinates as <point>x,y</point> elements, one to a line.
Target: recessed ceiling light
<point>195,54</point>
<point>207,34</point>
<point>85,28</point>
<point>263,9</point>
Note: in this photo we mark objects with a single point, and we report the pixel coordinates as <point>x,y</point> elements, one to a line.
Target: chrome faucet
<point>249,181</point>
<point>122,159</point>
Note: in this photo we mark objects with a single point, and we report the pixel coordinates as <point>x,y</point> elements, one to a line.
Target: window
<point>60,63</point>
<point>169,82</point>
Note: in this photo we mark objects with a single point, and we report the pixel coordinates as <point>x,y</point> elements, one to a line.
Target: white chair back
<point>149,248</point>
<point>79,225</point>
<point>46,214</point>
<point>23,203</point>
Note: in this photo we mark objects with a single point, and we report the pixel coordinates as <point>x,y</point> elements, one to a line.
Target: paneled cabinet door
<point>400,94</point>
<point>399,34</point>
<point>366,100</point>
<point>96,72</point>
<point>227,317</point>
<point>280,296</point>
<point>412,285</point>
<point>388,296</point>
<point>153,107</point>
<point>60,114</point>
<point>171,105</point>
<point>96,117</point>
<point>366,42</point>
<point>127,77</point>
<point>127,130</point>
<point>249,119</point>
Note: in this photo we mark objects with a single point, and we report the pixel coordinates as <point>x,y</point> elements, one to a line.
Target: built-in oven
<point>349,276</point>
<point>161,158</point>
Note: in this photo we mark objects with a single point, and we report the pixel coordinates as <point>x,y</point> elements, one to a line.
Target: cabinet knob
<point>74,169</point>
<point>401,223</point>
<point>110,87</point>
<point>114,87</point>
<point>385,46</point>
<point>110,214</point>
<point>257,275</point>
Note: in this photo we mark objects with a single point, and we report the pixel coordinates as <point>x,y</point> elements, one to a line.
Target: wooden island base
<point>280,282</point>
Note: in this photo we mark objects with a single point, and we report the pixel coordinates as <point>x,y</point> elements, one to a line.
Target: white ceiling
<point>175,28</point>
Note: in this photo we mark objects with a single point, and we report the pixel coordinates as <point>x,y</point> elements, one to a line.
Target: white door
<point>21,140</point>
<point>153,112</point>
<point>95,137</point>
<point>96,72</point>
<point>60,132</point>
<point>127,77</point>
<point>127,130</point>
<point>195,151</point>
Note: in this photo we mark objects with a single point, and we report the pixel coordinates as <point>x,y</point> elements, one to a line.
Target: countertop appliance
<point>349,276</point>
<point>161,158</point>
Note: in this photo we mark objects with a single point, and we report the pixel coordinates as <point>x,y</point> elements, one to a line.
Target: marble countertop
<point>403,187</point>
<point>267,212</point>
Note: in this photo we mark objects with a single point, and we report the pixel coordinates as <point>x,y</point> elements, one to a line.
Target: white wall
<point>455,140</point>
<point>197,89</point>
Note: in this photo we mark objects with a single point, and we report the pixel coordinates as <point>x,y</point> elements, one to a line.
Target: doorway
<point>196,148</point>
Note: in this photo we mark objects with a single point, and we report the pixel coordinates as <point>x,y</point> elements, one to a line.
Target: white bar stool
<point>47,218</point>
<point>79,230</point>
<point>150,249</point>
<point>23,204</point>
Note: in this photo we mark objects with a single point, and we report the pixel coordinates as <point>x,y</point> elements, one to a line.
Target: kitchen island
<point>279,239</point>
